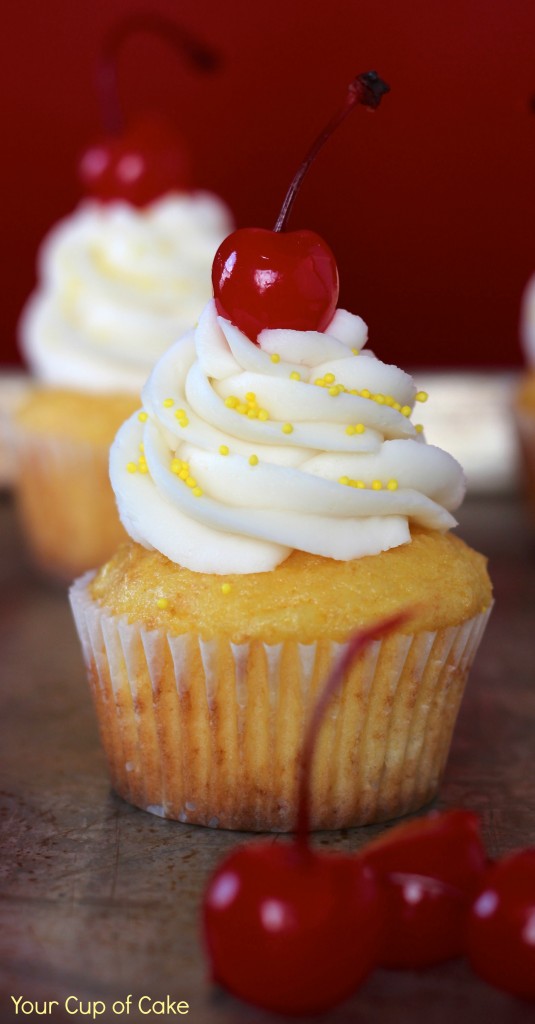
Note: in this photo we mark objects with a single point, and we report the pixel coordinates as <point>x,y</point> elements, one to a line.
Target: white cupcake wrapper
<point>209,732</point>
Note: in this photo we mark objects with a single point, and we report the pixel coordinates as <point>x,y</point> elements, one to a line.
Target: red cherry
<point>429,869</point>
<point>501,925</point>
<point>269,279</point>
<point>287,928</point>
<point>290,931</point>
<point>142,164</point>
<point>265,278</point>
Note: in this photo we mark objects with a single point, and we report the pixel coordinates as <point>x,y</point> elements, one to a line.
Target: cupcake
<point>524,399</point>
<point>277,496</point>
<point>117,285</point>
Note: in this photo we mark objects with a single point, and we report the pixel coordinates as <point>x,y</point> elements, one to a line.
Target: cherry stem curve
<point>202,57</point>
<point>366,89</point>
<point>356,646</point>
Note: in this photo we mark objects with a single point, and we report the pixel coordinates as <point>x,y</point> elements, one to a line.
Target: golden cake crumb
<point>310,597</point>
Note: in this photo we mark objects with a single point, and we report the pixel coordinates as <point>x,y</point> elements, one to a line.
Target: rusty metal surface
<point>99,900</point>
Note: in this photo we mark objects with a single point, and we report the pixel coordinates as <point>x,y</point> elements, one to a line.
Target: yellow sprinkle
<point>422,396</point>
<point>197,492</point>
<point>162,603</point>
<point>250,396</point>
<point>365,393</point>
<point>389,400</point>
<point>392,485</point>
<point>405,410</point>
<point>223,449</point>
<point>377,485</point>
<point>344,480</point>
<point>184,473</point>
<point>142,447</point>
<point>380,399</point>
<point>320,382</point>
<point>179,413</point>
<point>168,402</point>
<point>226,588</point>
<point>131,467</point>
<point>183,421</point>
<point>329,378</point>
<point>275,358</point>
<point>359,428</point>
<point>360,484</point>
<point>191,481</point>
<point>334,391</point>
<point>351,430</point>
<point>143,468</point>
<point>396,406</point>
<point>231,402</point>
<point>252,413</point>
<point>287,428</point>
<point>176,466</point>
<point>143,416</point>
<point>253,460</point>
<point>295,375</point>
<point>263,415</point>
<point>419,427</point>
<point>355,351</point>
<point>241,408</point>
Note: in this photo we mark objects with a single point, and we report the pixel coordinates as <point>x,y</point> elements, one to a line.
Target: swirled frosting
<point>243,453</point>
<point>117,286</point>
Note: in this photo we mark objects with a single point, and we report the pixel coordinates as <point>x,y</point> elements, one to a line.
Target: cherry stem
<point>366,89</point>
<point>200,56</point>
<point>356,646</point>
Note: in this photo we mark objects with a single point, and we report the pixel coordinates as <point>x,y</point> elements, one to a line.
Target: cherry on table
<point>429,870</point>
<point>501,925</point>
<point>278,279</point>
<point>290,930</point>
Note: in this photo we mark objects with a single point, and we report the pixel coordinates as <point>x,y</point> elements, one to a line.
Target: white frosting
<point>117,286</point>
<point>527,322</point>
<point>249,517</point>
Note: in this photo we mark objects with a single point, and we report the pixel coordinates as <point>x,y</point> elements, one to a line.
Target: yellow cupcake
<point>117,286</point>
<point>256,551</point>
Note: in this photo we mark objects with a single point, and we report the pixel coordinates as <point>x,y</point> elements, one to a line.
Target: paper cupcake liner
<point>66,504</point>
<point>209,732</point>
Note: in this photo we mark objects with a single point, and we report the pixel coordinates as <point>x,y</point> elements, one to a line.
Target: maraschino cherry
<point>429,870</point>
<point>287,928</point>
<point>146,159</point>
<point>280,279</point>
<point>501,925</point>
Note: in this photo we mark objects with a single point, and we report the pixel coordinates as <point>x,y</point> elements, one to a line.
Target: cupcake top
<point>304,441</point>
<point>117,286</point>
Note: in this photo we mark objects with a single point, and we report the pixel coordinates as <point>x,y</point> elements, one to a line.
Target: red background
<point>428,204</point>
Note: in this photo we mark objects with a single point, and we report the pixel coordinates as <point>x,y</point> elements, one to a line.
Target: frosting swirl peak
<point>245,452</point>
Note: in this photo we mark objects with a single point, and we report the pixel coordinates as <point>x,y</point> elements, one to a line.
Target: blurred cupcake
<point>120,279</point>
<point>524,401</point>
<point>117,285</point>
<point>278,496</point>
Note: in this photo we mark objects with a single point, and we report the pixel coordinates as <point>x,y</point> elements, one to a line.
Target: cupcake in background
<point>278,495</point>
<point>524,407</point>
<point>119,280</point>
